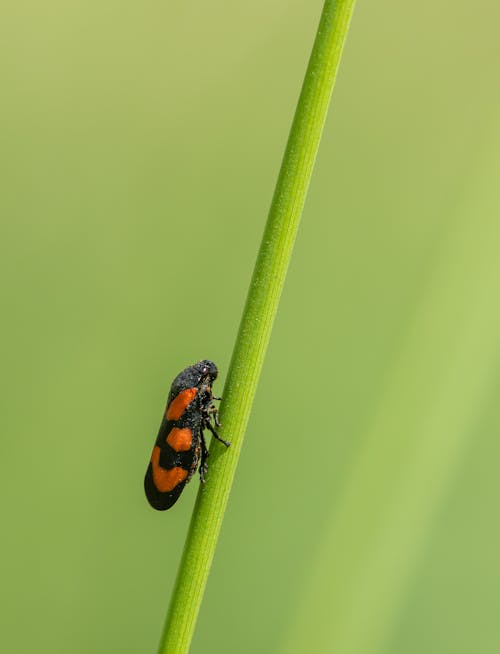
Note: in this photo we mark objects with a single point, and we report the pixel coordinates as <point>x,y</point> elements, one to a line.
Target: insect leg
<point>212,409</point>
<point>216,435</point>
<point>204,457</point>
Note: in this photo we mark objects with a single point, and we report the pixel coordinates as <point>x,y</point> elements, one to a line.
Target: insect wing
<point>170,465</point>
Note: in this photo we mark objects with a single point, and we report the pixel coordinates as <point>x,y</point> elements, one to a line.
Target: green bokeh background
<point>140,143</point>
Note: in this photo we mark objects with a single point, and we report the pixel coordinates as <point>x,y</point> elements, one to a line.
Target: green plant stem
<point>258,316</point>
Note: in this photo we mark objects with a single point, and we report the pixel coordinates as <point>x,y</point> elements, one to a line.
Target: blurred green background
<point>140,144</point>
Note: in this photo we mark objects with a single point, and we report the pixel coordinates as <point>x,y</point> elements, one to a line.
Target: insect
<point>180,443</point>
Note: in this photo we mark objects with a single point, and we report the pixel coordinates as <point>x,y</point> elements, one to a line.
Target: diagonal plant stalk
<point>256,323</point>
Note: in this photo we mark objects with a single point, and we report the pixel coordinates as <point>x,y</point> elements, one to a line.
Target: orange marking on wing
<point>180,403</point>
<point>180,440</point>
<point>165,480</point>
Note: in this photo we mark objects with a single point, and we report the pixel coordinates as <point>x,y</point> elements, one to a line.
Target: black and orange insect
<point>180,443</point>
